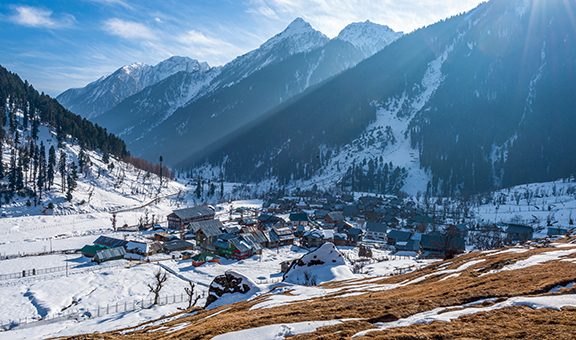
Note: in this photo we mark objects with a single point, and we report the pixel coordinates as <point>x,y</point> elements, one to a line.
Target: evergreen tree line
<point>374,176</point>
<point>32,169</point>
<point>48,111</point>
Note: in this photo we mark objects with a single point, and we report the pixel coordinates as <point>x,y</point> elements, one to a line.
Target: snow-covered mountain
<point>103,94</point>
<point>368,37</point>
<point>136,115</point>
<point>245,90</point>
<point>461,106</point>
<point>298,37</point>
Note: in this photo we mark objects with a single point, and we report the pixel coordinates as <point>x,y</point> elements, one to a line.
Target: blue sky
<point>58,44</point>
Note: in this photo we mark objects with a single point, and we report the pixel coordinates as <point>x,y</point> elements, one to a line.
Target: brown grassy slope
<point>384,305</point>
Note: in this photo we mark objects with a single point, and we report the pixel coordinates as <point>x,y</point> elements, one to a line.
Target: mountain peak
<point>300,35</point>
<point>299,25</point>
<point>368,37</point>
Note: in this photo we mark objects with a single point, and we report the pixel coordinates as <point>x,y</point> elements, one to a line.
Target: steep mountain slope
<point>135,116</point>
<point>227,109</point>
<point>20,99</point>
<point>103,94</point>
<point>475,102</point>
<point>53,159</point>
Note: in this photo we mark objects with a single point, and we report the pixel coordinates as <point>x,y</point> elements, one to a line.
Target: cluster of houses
<point>343,221</point>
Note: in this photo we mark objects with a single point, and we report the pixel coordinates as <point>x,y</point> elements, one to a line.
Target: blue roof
<point>399,235</point>
<point>376,227</point>
<point>299,217</point>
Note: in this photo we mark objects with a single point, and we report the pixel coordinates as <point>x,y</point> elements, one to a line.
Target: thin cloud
<point>331,16</point>
<point>129,29</point>
<point>120,3</point>
<point>39,17</point>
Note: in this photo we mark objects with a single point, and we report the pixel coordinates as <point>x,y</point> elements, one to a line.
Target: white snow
<point>277,331</point>
<point>321,265</point>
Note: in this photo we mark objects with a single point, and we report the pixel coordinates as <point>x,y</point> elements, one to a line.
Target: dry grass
<point>398,303</point>
<point>509,323</point>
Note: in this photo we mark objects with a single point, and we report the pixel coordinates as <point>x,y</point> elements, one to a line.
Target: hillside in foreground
<point>521,292</point>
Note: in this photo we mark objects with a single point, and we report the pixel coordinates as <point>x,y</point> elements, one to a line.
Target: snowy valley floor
<point>525,292</point>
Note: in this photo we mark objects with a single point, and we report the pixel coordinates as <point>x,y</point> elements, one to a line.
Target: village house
<point>91,250</point>
<point>299,218</point>
<point>317,237</point>
<point>178,219</point>
<point>395,236</point>
<point>110,254</point>
<point>268,220</point>
<point>237,247</point>
<point>284,235</point>
<point>376,231</point>
<point>334,217</point>
<point>557,232</point>
<point>437,245</point>
<point>110,242</point>
<point>143,248</point>
<point>177,245</point>
<point>207,233</point>
<point>518,233</point>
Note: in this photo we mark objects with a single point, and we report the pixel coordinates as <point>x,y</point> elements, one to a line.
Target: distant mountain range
<point>197,106</point>
<point>479,101</point>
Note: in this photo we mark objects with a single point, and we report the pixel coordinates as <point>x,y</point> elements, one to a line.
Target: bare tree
<point>160,279</point>
<point>190,292</point>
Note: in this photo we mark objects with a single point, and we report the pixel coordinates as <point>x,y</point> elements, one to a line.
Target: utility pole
<point>161,168</point>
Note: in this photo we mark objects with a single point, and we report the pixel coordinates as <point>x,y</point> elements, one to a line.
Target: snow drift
<point>324,264</point>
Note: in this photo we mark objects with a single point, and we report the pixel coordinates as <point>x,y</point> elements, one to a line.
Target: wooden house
<point>178,219</point>
<point>207,232</point>
<point>518,233</point>
<point>376,230</point>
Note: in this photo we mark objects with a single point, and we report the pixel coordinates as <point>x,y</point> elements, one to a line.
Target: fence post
<point>107,309</point>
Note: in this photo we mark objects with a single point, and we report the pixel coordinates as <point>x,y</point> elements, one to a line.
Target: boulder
<point>229,288</point>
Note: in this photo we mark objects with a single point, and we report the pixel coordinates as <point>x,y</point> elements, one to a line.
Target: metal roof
<point>209,228</point>
<point>194,212</point>
<point>110,242</point>
<point>110,254</point>
<point>376,227</point>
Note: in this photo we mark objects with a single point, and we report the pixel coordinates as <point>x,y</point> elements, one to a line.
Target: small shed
<point>557,232</point>
<point>177,245</point>
<point>518,233</point>
<point>109,254</point>
<point>91,250</point>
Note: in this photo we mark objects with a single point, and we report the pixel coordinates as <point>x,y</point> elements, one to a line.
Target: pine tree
<point>62,169</point>
<point>35,128</point>
<point>82,160</point>
<point>71,180</point>
<point>105,158</point>
<point>1,163</point>
<point>51,166</point>
<point>12,173</point>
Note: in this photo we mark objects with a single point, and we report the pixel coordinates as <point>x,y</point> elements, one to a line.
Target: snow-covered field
<point>122,282</point>
<point>537,204</point>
